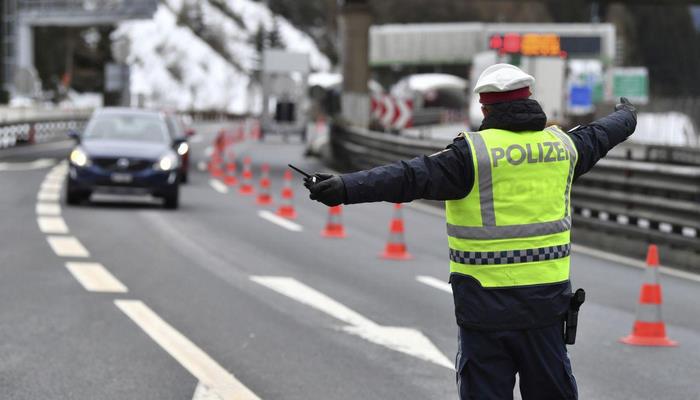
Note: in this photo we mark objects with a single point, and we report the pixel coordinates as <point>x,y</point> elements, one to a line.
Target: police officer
<point>508,212</point>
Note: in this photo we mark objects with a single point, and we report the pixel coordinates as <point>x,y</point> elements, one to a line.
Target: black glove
<point>625,104</point>
<point>328,189</point>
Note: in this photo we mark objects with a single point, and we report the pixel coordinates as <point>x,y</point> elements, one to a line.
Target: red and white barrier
<point>392,113</point>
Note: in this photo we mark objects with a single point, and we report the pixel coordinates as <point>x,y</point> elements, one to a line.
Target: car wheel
<point>75,197</point>
<point>183,177</point>
<point>171,200</point>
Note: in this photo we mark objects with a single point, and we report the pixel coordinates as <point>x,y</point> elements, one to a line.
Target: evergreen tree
<point>274,38</point>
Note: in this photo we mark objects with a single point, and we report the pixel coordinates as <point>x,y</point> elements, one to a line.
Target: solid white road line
<point>632,262</point>
<point>434,282</point>
<point>48,208</point>
<point>281,221</point>
<point>95,278</point>
<point>202,392</point>
<point>191,357</point>
<point>48,196</point>
<point>405,340</point>
<point>67,246</point>
<point>218,186</point>
<point>52,225</point>
<point>25,166</point>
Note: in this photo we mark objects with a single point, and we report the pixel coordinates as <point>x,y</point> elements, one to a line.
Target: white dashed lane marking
<point>50,190</point>
<point>280,221</point>
<point>48,196</point>
<point>52,185</point>
<point>191,357</point>
<point>95,278</point>
<point>218,186</point>
<point>52,225</point>
<point>204,393</point>
<point>67,246</point>
<point>48,209</point>
<point>434,282</point>
<point>405,340</point>
<point>55,176</point>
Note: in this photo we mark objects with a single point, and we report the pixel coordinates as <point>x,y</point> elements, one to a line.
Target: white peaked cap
<point>502,78</point>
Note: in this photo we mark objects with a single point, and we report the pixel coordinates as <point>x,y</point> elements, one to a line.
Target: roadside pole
<point>355,20</point>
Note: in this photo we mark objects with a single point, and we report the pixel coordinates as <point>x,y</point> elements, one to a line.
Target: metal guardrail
<point>29,127</point>
<point>618,206</point>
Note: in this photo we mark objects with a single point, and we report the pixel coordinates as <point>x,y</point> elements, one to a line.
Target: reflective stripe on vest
<point>510,256</point>
<point>493,245</point>
<point>509,231</point>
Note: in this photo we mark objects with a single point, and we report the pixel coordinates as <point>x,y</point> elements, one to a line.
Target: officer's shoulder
<point>461,136</point>
<point>577,128</point>
<point>458,141</point>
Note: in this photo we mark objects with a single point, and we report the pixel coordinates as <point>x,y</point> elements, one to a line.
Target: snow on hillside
<point>174,67</point>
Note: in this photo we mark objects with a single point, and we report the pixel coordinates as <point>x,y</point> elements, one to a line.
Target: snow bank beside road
<point>172,66</point>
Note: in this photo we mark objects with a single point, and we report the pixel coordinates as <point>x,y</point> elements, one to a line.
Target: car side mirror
<point>75,135</point>
<point>189,132</point>
<point>180,146</point>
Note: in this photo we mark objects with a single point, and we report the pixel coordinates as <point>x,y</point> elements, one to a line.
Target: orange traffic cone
<point>286,209</point>
<point>220,141</point>
<point>230,179</point>
<point>396,246</point>
<point>264,197</point>
<point>246,187</point>
<point>649,328</point>
<point>215,166</point>
<point>334,228</point>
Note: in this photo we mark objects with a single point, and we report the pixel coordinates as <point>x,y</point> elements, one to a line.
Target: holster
<point>571,318</point>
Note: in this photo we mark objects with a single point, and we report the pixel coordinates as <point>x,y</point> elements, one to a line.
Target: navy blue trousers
<point>487,362</point>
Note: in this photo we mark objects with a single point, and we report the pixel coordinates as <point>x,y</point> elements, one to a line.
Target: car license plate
<point>121,178</point>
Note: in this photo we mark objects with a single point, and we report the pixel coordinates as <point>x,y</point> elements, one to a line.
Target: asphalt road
<point>215,301</point>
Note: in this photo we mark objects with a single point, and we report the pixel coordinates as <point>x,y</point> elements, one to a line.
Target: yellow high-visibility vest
<point>513,228</point>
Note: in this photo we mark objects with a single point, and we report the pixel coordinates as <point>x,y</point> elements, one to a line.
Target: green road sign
<point>632,83</point>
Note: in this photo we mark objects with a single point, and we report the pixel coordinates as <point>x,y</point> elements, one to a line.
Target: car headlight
<point>79,158</point>
<point>167,162</point>
<point>183,148</point>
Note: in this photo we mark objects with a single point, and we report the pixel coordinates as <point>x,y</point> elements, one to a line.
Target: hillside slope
<point>201,54</point>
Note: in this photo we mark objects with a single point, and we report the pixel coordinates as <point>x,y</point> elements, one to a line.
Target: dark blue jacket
<point>449,175</point>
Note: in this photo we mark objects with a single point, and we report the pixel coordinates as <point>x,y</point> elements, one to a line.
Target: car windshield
<point>175,127</point>
<point>132,127</point>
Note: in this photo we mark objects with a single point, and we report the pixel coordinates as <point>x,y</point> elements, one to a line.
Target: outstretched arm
<point>445,175</point>
<point>593,141</point>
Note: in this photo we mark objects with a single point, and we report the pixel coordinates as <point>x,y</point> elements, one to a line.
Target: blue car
<point>125,151</point>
